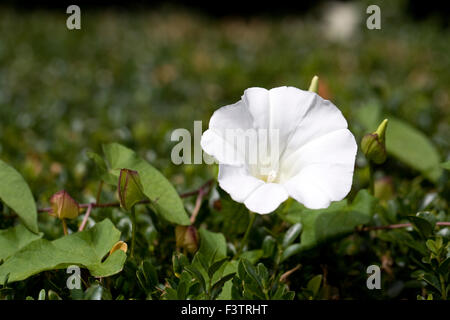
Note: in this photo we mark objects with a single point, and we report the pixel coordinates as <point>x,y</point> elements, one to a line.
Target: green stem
<point>99,192</point>
<point>64,224</point>
<point>371,180</point>
<point>247,233</point>
<point>443,287</point>
<point>133,231</point>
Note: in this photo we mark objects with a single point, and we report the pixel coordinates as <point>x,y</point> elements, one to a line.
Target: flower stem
<point>371,180</point>
<point>133,231</point>
<point>99,192</point>
<point>86,217</point>
<point>64,224</point>
<point>247,233</point>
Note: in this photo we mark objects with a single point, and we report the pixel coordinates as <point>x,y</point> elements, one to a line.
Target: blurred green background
<point>135,76</point>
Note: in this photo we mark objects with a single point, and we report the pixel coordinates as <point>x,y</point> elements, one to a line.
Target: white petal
<point>317,185</point>
<point>216,141</point>
<point>233,116</point>
<point>289,106</point>
<point>237,181</point>
<point>322,170</point>
<point>279,109</point>
<point>266,198</point>
<point>258,105</point>
<point>321,118</point>
<point>337,147</point>
<point>214,144</point>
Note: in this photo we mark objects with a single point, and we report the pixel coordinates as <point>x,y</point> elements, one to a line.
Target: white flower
<point>314,151</point>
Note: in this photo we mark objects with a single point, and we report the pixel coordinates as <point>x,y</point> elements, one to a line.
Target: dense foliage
<point>78,106</point>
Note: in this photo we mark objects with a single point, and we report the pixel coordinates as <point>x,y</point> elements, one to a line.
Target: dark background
<point>418,9</point>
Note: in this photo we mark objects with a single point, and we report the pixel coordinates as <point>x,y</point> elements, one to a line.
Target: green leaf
<point>218,286</point>
<point>369,115</point>
<point>14,239</point>
<point>431,245</point>
<point>422,225</point>
<point>413,147</point>
<point>444,267</point>
<point>216,266</point>
<point>291,250</point>
<point>252,255</point>
<point>403,238</point>
<point>182,290</point>
<point>149,272</point>
<point>230,267</point>
<point>157,188</point>
<point>179,261</point>
<point>41,294</point>
<point>147,275</point>
<point>16,194</point>
<point>263,274</point>
<point>94,292</point>
<point>197,275</point>
<point>432,280</point>
<point>314,285</point>
<point>292,233</point>
<point>251,271</point>
<point>268,246</point>
<point>212,245</point>
<point>234,215</point>
<point>446,165</point>
<point>101,170</point>
<point>52,295</point>
<point>338,219</point>
<point>85,249</point>
<point>212,248</point>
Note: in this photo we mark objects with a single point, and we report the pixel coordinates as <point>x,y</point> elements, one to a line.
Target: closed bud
<point>63,206</point>
<point>120,245</point>
<point>186,238</point>
<point>314,86</point>
<point>373,144</point>
<point>130,188</point>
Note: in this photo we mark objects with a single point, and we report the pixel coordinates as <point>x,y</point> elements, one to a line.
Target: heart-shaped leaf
<point>86,249</point>
<point>16,194</point>
<point>14,239</point>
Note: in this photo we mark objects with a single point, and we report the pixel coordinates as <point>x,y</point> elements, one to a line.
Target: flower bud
<point>187,238</point>
<point>373,144</point>
<point>120,245</point>
<point>63,206</point>
<point>314,86</point>
<point>130,188</point>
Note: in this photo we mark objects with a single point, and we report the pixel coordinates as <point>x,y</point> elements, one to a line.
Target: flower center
<point>272,176</point>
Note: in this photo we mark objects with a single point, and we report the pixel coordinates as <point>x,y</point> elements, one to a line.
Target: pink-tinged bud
<point>130,188</point>
<point>120,245</point>
<point>187,238</point>
<point>64,206</point>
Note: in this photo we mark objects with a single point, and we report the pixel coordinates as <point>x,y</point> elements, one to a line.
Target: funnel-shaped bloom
<point>303,149</point>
